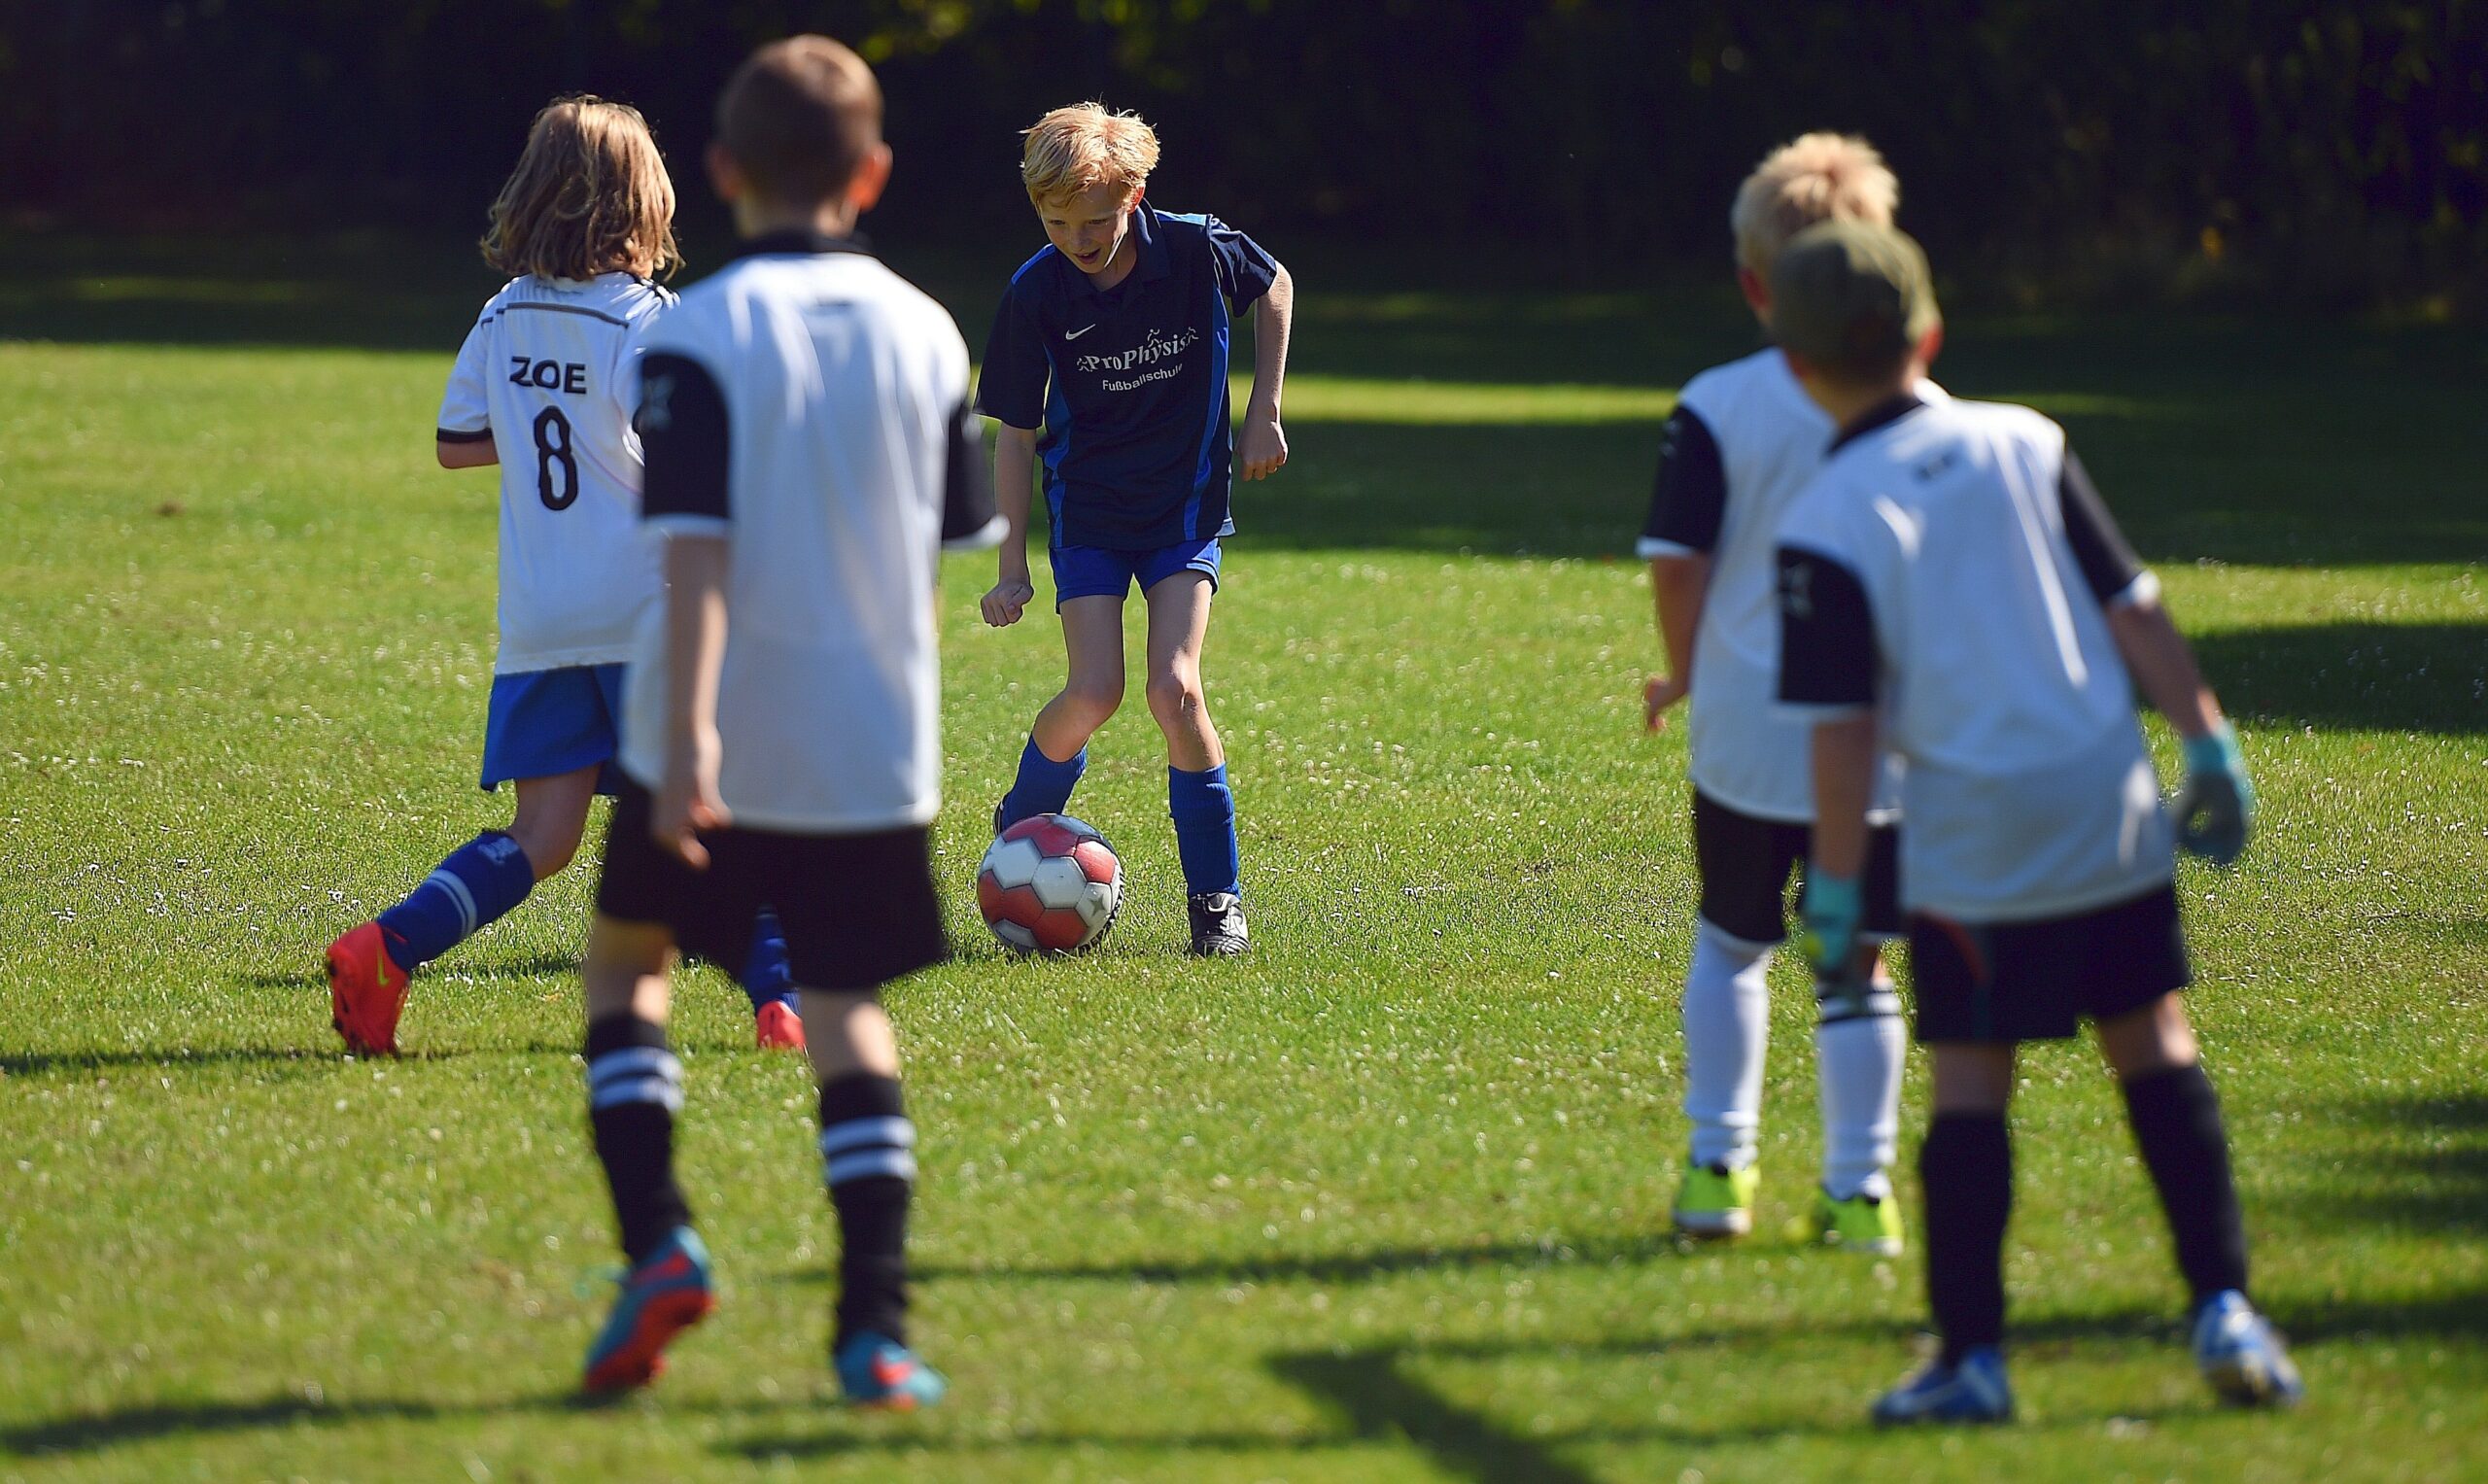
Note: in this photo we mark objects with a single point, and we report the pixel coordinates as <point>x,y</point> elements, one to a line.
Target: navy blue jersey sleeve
<point>683,430</point>
<point>2109,565</point>
<point>1245,273</point>
<point>1012,389</point>
<point>1826,634</point>
<point>1691,493</point>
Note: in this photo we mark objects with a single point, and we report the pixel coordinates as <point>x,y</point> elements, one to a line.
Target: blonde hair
<point>1073,148</point>
<point>589,195</point>
<point>1813,178</point>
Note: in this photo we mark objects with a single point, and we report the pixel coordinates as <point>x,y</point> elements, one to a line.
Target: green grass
<point>1384,1201</point>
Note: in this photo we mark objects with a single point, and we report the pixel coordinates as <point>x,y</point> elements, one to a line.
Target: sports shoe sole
<point>2240,1381</point>
<point>641,1357</point>
<point>1714,1226</point>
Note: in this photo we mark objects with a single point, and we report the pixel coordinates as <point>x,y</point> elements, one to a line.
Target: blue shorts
<point>1099,571</point>
<point>547,722</point>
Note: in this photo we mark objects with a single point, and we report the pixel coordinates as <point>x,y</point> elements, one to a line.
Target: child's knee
<point>549,844</point>
<point>1175,699</point>
<point>1093,702</point>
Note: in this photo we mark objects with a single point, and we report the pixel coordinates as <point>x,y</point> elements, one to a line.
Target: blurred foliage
<point>2328,150</point>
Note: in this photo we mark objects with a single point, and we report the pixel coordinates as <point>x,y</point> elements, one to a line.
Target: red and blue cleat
<point>660,1298</point>
<point>366,991</point>
<point>777,1027</point>
<point>878,1372</point>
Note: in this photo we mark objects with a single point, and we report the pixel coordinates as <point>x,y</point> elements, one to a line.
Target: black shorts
<point>858,910</point>
<point>2038,980</point>
<point>1745,863</point>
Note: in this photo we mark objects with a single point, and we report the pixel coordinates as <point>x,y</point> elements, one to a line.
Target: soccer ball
<point>1049,884</point>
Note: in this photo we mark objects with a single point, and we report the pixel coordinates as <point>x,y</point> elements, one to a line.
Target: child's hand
<point>1009,598</point>
<point>1263,446</point>
<point>686,803</point>
<point>1660,692</point>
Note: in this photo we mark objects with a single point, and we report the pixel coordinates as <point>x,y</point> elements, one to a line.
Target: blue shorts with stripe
<point>544,723</point>
<point>1100,572</point>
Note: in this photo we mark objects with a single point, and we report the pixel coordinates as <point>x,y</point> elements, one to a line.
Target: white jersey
<point>1952,568</point>
<point>545,374</point>
<point>812,407</point>
<point>1743,444</point>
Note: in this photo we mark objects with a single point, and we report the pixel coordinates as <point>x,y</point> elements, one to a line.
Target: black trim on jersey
<point>1881,415</point>
<point>682,429</point>
<point>800,240</point>
<point>1690,494</point>
<point>462,434</point>
<point>967,478</point>
<point>593,314</point>
<point>1826,632</point>
<point>2108,562</point>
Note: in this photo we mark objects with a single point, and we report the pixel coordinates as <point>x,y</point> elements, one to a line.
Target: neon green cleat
<point>1717,1201</point>
<point>1862,1224</point>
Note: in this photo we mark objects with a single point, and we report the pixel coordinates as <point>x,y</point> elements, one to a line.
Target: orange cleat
<point>778,1028</point>
<point>366,991</point>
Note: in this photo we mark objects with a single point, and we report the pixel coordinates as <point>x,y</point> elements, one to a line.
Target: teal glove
<point>2217,803</point>
<point>1830,911</point>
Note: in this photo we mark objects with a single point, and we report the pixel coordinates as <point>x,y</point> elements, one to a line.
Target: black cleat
<point>1217,925</point>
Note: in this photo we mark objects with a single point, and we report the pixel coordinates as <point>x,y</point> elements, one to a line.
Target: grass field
<point>1385,1200</point>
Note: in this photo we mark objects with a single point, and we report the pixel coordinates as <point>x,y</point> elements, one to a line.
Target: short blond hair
<point>1813,178</point>
<point>1084,144</point>
<point>589,195</point>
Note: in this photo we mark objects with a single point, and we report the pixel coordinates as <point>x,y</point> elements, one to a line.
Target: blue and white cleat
<point>660,1298</point>
<point>2241,1355</point>
<point>878,1371</point>
<point>1972,1390</point>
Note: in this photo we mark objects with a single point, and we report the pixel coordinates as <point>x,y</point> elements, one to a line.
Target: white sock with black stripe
<point>1727,1018</point>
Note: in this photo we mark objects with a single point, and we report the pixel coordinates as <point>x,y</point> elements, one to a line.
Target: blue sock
<point>1203,808</point>
<point>481,880</point>
<point>1044,786</point>
<point>765,977</point>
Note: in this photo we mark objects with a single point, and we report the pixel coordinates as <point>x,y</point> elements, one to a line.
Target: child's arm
<point>2216,805</point>
<point>695,648</point>
<point>1263,448</point>
<point>1679,583</point>
<point>464,453</point>
<point>1015,460</point>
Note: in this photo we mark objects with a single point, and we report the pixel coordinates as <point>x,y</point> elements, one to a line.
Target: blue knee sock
<point>1044,786</point>
<point>1203,808</point>
<point>481,880</point>
<point>765,977</point>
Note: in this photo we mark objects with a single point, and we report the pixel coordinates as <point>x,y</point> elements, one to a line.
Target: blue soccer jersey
<point>1128,385</point>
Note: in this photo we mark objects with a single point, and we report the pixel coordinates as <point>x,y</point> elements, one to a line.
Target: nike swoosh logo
<point>1074,334</point>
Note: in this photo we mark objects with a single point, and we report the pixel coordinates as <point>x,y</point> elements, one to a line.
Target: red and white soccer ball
<point>1049,884</point>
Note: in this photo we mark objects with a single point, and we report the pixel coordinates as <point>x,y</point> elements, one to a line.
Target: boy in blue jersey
<point>1114,342</point>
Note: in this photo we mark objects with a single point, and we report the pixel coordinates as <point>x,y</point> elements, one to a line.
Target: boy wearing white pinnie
<point>543,388</point>
<point>1742,442</point>
<point>1952,588</point>
<point>1114,341</point>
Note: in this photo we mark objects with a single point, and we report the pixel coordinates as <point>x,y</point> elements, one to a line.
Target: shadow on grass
<point>40,1063</point>
<point>1324,1267</point>
<point>2366,676</point>
<point>2421,1163</point>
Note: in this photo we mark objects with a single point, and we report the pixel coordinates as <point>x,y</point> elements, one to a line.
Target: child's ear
<point>872,176</point>
<point>725,175</point>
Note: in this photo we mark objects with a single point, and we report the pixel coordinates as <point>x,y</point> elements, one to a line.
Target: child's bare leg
<point>868,1159</point>
<point>2177,1125</point>
<point>552,818</point>
<point>1093,639</point>
<point>635,1084</point>
<point>1178,627</point>
<point>1197,796</point>
<point>1057,749</point>
<point>1966,1169</point>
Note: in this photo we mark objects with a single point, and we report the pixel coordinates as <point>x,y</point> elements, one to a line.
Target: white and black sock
<point>1858,1049</point>
<point>868,1161</point>
<point>1727,1020</point>
<point>635,1088</point>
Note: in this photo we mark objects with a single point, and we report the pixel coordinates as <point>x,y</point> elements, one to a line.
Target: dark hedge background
<point>2333,151</point>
